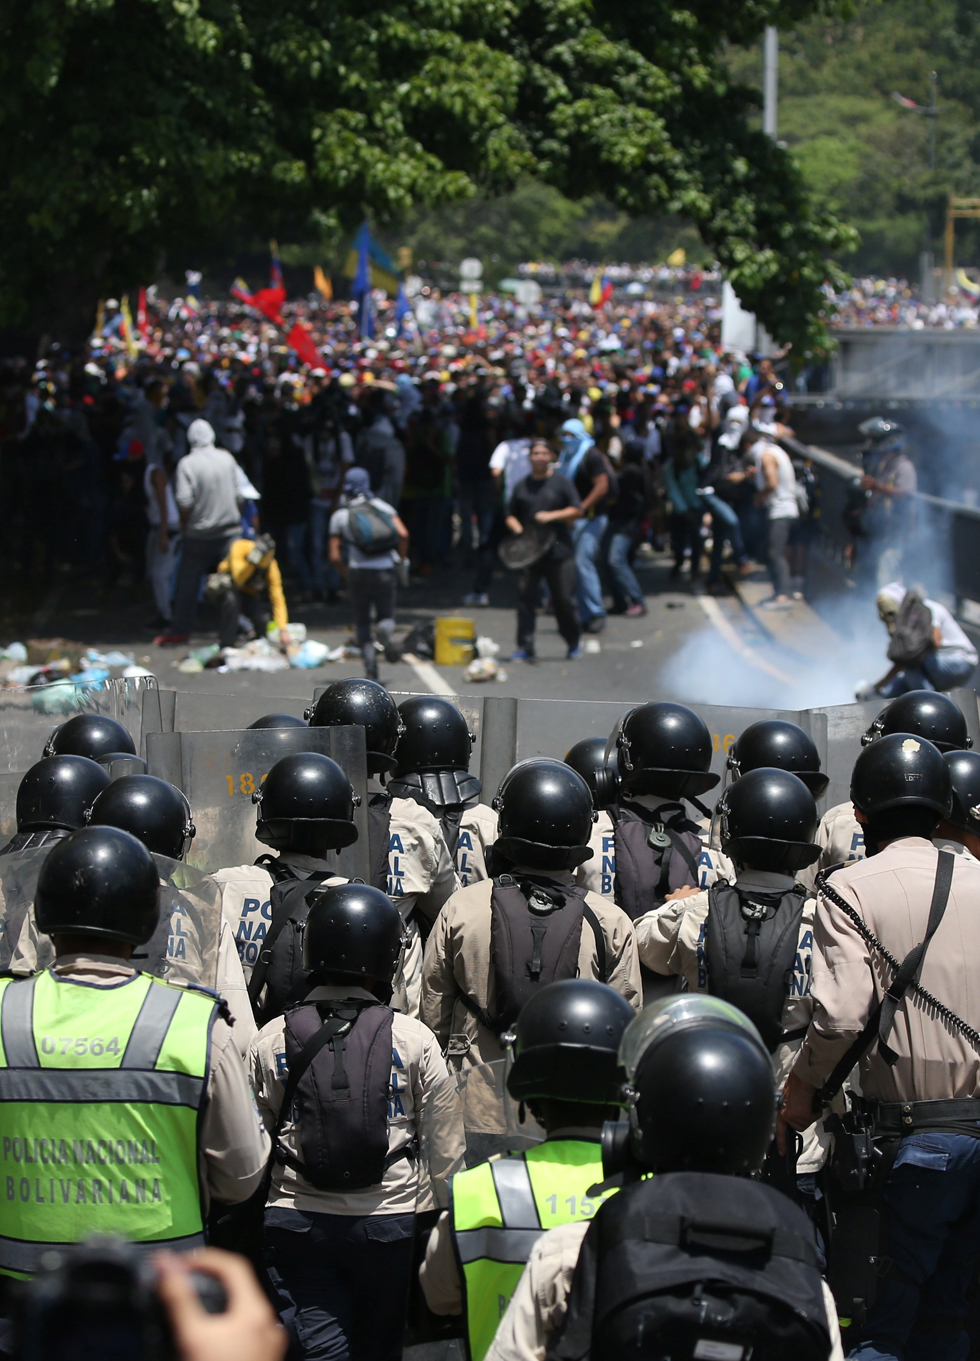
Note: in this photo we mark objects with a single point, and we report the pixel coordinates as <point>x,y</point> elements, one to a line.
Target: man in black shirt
<point>545,502</point>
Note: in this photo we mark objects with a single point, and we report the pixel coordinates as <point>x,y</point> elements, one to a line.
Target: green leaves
<point>138,129</point>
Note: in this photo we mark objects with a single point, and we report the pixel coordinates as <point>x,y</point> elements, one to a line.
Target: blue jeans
<point>932,1235</point>
<point>724,525</point>
<point>587,535</point>
<point>619,565</point>
<point>342,1281</point>
<point>936,673</point>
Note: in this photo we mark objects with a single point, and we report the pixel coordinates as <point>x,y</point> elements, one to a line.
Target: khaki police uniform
<point>341,1262</point>
<point>841,840</point>
<point>539,1304</point>
<point>671,940</point>
<point>477,833</point>
<point>892,891</point>
<point>598,875</point>
<point>458,960</point>
<point>233,1145</point>
<point>421,877</point>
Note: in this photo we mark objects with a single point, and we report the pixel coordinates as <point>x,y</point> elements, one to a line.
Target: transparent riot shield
<point>205,711</point>
<point>29,716</point>
<point>220,771</point>
<point>846,725</point>
<point>184,947</point>
<point>22,949</point>
<point>493,1122</point>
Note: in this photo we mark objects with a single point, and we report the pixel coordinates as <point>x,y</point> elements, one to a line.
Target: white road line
<point>429,676</point>
<point>748,654</point>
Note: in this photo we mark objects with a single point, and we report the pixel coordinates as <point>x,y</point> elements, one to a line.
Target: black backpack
<point>379,834</point>
<point>695,1266</point>
<point>370,528</point>
<point>339,1062</point>
<point>279,967</point>
<point>655,854</point>
<point>535,934</point>
<point>751,940</point>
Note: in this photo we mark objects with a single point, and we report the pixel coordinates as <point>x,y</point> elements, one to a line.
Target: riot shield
<point>29,716</point>
<point>205,711</point>
<point>846,725</point>
<point>219,772</point>
<point>184,947</point>
<point>22,949</point>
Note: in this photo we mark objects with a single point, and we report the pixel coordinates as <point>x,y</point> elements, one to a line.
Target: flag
<point>966,283</point>
<point>275,269</point>
<point>300,340</point>
<point>240,290</point>
<point>474,314</point>
<point>595,290</point>
<point>905,103</point>
<point>322,284</point>
<point>269,302</point>
<point>142,322</point>
<point>402,309</point>
<point>362,274</point>
<point>127,328</point>
<point>677,257</point>
<point>607,291</point>
<point>380,269</point>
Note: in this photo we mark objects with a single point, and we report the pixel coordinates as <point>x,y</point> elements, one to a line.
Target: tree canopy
<point>139,131</point>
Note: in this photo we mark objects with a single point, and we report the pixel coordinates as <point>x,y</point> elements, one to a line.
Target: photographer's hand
<point>248,1330</point>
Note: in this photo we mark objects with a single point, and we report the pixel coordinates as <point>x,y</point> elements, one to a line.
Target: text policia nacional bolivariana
<point>62,1155</point>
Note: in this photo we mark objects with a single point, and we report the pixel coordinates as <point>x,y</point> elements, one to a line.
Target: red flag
<point>607,292</point>
<point>239,290</point>
<point>269,301</point>
<point>142,322</point>
<point>299,339</point>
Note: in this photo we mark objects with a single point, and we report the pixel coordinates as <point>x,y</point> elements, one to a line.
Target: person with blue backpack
<point>367,543</point>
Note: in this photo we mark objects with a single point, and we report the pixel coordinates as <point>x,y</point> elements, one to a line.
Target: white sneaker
<point>475,598</point>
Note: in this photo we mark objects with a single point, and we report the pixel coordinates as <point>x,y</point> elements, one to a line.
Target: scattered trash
<point>592,646</point>
<point>637,642</point>
<point>501,674</point>
<point>483,667</point>
<point>421,640</point>
<point>60,697</point>
<point>135,671</point>
<point>189,666</point>
<point>258,655</point>
<point>90,674</point>
<point>296,632</point>
<point>114,658</point>
<point>313,653</point>
<point>16,652</point>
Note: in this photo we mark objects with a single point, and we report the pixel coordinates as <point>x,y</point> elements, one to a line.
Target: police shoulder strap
<point>906,975</point>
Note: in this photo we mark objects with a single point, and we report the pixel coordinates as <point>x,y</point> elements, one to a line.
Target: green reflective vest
<point>101,1090</point>
<point>498,1212</point>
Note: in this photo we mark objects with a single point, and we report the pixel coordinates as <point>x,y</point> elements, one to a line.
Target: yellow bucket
<point>454,640</point>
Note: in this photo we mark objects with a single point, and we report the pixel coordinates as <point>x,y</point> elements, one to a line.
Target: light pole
<point>770,80</point>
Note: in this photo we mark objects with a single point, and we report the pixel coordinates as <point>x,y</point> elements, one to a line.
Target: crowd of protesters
<point>643,409</point>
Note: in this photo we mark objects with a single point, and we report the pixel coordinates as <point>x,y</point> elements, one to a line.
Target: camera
<point>100,1300</point>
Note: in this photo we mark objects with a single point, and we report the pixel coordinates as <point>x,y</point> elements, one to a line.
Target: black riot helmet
<point>56,792</point>
<point>588,757</point>
<point>435,736</point>
<point>306,793</point>
<point>546,815</point>
<point>923,713</point>
<point>91,735</point>
<point>901,770</point>
<point>882,436</point>
<point>364,704</point>
<point>768,820</point>
<point>664,749</point>
<point>964,774</point>
<point>277,721</point>
<point>353,931</point>
<point>566,1044</point>
<point>150,809</point>
<point>99,882</point>
<point>701,1091</point>
<point>776,743</point>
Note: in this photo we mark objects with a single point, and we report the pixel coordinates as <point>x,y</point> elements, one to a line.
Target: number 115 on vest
<point>243,783</point>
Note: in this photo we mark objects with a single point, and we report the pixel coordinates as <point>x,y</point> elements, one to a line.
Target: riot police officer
<point>588,758</point>
<point>51,802</point>
<point>923,713</point>
<point>623,1284</point>
<point>409,852</point>
<point>960,832</point>
<point>779,745</point>
<point>305,811</point>
<point>52,799</point>
<point>904,920</point>
<point>96,736</point>
<point>150,1083</point>
<point>193,939</point>
<point>749,941</point>
<point>433,762</point>
<point>565,1067</point>
<point>498,942</point>
<point>346,1183</point>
